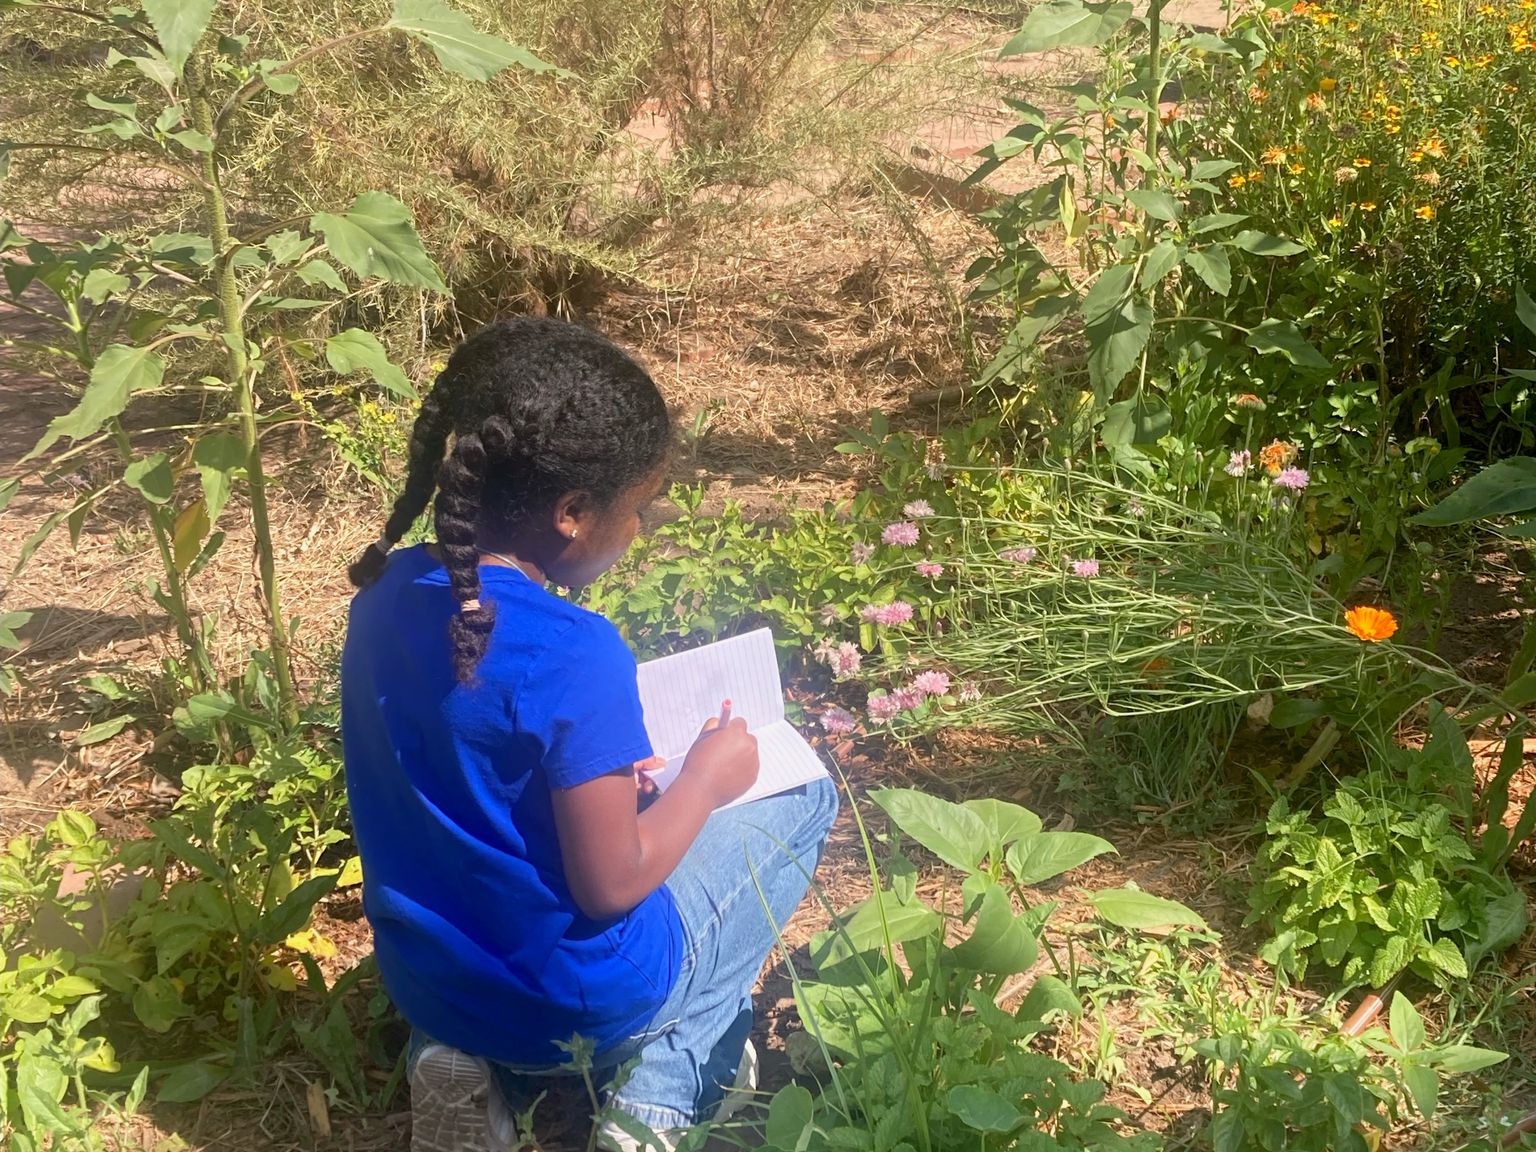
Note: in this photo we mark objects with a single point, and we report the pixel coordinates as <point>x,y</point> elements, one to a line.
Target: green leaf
<point>459,48</point>
<point>1041,855</point>
<point>1133,908</point>
<point>1446,957</point>
<point>120,371</point>
<point>1284,337</point>
<point>1423,1086</point>
<point>1525,308</point>
<point>1005,822</point>
<point>153,67</point>
<point>1458,1059</point>
<point>375,237</point>
<point>1500,489</point>
<point>1067,23</point>
<point>1160,261</point>
<point>1118,325</point>
<point>1000,943</point>
<point>151,478</point>
<point>29,1008</point>
<point>102,283</point>
<point>126,109</point>
<point>953,833</point>
<point>1390,959</point>
<point>218,456</point>
<point>40,1086</point>
<point>983,1109</point>
<point>179,25</point>
<point>294,912</point>
<point>1215,221</point>
<point>158,1004</point>
<point>1155,203</point>
<point>1213,266</point>
<point>1049,994</point>
<point>872,924</point>
<point>193,140</point>
<point>97,733</point>
<point>1406,1023</point>
<point>9,622</point>
<point>791,1113</point>
<point>1505,923</point>
<point>191,1082</point>
<point>354,350</point>
<point>320,272</point>
<point>1263,244</point>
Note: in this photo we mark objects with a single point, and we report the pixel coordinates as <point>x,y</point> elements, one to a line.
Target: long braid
<point>429,439</point>
<point>460,485</point>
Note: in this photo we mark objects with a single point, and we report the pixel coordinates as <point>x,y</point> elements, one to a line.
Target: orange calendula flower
<point>1373,625</point>
<point>1249,401</point>
<point>1315,103</point>
<point>1425,211</point>
<point>1272,156</point>
<point>1435,147</point>
<point>1278,456</point>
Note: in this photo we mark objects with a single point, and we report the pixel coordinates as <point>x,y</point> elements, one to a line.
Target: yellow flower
<point>1327,84</point>
<point>1435,147</point>
<point>1335,222</point>
<point>1277,456</point>
<point>1425,211</point>
<point>1372,625</point>
<point>1392,129</point>
<point>1272,156</point>
<point>1452,62</point>
<point>1362,161</point>
<point>1484,60</point>
<point>1416,156</point>
<point>1297,169</point>
<point>1236,181</point>
<point>1486,10</point>
<point>1255,176</point>
<point>1367,205</point>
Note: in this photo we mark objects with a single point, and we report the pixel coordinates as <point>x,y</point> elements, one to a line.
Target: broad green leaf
<point>375,237</point>
<point>153,67</point>
<point>193,140</point>
<point>1157,263</point>
<point>320,272</point>
<point>1446,957</point>
<point>1284,337</point>
<point>97,733</point>
<point>1067,23</point>
<point>1155,203</point>
<point>179,25</point>
<point>1000,943</point>
<point>1108,293</point>
<point>294,912</point>
<point>459,48</point>
<point>354,350</point>
<point>1500,489</point>
<point>791,1113</point>
<point>158,1004</point>
<point>1215,221</point>
<point>1459,1059</point>
<point>955,834</point>
<point>1423,1086</point>
<point>120,371</point>
<point>1049,994</point>
<point>188,532</point>
<point>1263,244</point>
<point>1525,308</point>
<point>102,283</point>
<point>1005,822</point>
<point>218,456</point>
<point>1210,169</point>
<point>1115,343</point>
<point>191,1082</point>
<point>1213,266</point>
<point>1390,959</point>
<point>872,924</point>
<point>151,478</point>
<point>983,1109</point>
<point>40,1086</point>
<point>9,622</point>
<point>1505,922</point>
<point>182,248</point>
<point>1133,908</point>
<point>127,109</point>
<point>288,246</point>
<point>1038,856</point>
<point>1406,1023</point>
<point>29,1008</point>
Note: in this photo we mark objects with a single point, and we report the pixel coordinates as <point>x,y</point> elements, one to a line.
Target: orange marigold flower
<point>1372,625</point>
<point>1278,456</point>
<point>1435,147</point>
<point>1258,95</point>
<point>1272,156</point>
<point>1249,401</point>
<point>1425,211</point>
<point>1315,103</point>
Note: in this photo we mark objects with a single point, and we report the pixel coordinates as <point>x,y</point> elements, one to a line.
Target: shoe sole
<point>450,1092</point>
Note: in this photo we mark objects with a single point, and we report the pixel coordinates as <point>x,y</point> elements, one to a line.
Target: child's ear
<point>571,513</point>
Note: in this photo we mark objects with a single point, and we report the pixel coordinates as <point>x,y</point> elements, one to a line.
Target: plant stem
<point>1154,83</point>
<point>242,380</point>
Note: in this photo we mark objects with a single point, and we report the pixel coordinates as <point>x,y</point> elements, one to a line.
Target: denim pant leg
<point>758,854</point>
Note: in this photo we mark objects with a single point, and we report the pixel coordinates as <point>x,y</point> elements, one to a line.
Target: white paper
<point>680,692</point>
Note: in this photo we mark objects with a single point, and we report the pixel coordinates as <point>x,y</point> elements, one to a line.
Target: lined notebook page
<point>681,691</point>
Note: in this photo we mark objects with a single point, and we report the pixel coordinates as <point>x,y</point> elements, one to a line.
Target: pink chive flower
<point>846,659</point>
<point>1238,462</point>
<point>917,509</point>
<point>1293,478</point>
<point>829,615</point>
<point>860,553</point>
<point>1018,555</point>
<point>907,698</point>
<point>929,568</point>
<point>969,693</point>
<point>896,612</point>
<point>1087,569</point>
<point>883,707</point>
<point>901,534</point>
<point>838,721</point>
<point>931,683</point>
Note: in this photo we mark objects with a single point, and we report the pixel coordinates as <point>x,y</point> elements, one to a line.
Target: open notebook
<point>681,691</point>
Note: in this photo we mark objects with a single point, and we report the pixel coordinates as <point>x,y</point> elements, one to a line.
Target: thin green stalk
<point>242,380</point>
<point>1154,83</point>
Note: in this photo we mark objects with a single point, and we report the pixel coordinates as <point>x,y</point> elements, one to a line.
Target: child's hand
<point>724,757</point>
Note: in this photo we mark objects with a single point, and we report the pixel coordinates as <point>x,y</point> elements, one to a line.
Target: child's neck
<point>507,559</point>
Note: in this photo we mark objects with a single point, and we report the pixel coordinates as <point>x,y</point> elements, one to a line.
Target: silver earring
<point>573,533</point>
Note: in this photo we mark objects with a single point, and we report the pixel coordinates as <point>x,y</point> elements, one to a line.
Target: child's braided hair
<point>536,408</point>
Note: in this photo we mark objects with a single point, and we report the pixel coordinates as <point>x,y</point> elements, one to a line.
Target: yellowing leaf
<point>351,873</point>
<point>312,943</point>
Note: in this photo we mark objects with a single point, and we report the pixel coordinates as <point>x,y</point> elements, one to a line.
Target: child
<point>492,732</point>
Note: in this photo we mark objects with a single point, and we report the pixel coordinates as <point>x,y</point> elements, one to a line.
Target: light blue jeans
<point>740,882</point>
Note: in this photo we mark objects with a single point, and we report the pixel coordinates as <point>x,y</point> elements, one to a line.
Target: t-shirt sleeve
<point>581,706</point>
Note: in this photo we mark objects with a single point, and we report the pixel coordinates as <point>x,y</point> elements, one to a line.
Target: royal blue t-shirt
<point>478,939</point>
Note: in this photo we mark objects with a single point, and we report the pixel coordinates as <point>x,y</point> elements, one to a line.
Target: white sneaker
<point>455,1105</point>
<point>612,1138</point>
